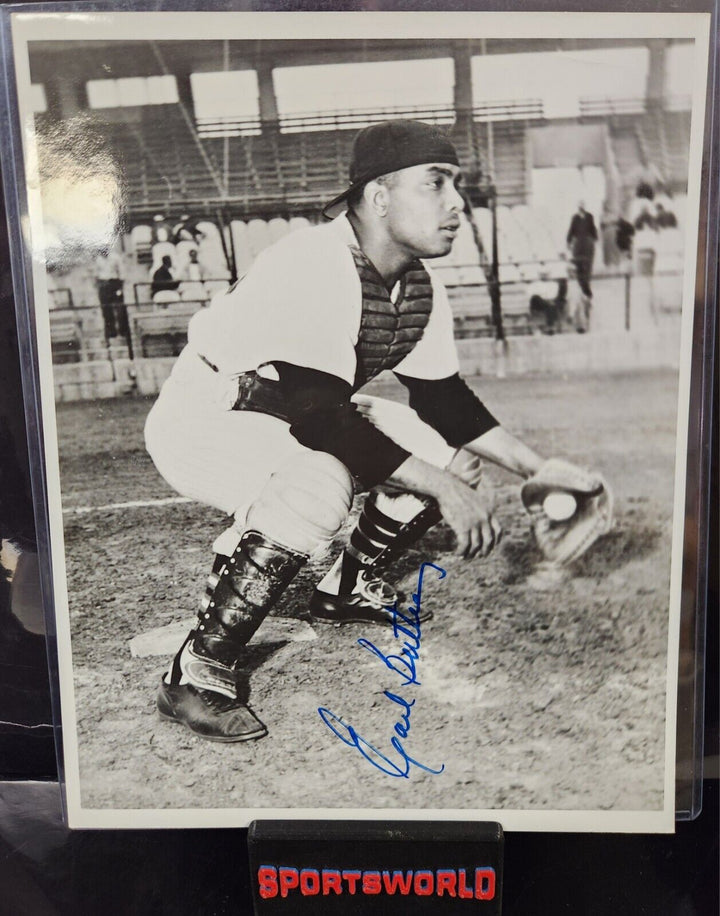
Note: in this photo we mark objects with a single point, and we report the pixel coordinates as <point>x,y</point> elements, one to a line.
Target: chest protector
<point>389,330</point>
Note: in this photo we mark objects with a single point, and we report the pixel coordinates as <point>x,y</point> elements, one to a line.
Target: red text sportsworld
<point>283,881</point>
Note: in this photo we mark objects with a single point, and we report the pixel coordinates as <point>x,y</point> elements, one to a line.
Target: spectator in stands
<point>581,239</point>
<point>624,236</point>
<point>194,270</point>
<point>664,219</point>
<point>644,191</point>
<point>663,196</point>
<point>645,220</point>
<point>579,305</point>
<point>645,245</point>
<point>108,277</point>
<point>187,230</point>
<point>547,303</point>
<point>193,276</point>
<point>160,229</point>
<point>641,208</point>
<point>164,285</point>
<point>608,232</point>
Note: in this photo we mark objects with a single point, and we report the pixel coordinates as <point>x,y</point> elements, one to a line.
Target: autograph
<point>404,664</point>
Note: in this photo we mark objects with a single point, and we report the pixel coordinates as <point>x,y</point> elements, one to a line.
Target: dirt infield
<point>531,699</point>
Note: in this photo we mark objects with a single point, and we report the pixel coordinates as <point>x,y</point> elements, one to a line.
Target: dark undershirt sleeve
<point>450,407</point>
<point>324,419</point>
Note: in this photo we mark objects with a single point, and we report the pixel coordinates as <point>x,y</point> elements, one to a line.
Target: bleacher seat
<point>210,250</point>
<point>65,336</point>
<point>277,228</point>
<point>529,272</point>
<point>258,234</point>
<point>510,273</point>
<point>483,220</point>
<point>141,240</point>
<point>470,275</point>
<point>159,251</point>
<point>192,291</point>
<point>182,253</point>
<point>160,331</point>
<point>474,276</point>
<point>556,269</point>
<point>244,256</point>
<point>298,222</point>
<point>214,286</point>
<point>166,296</point>
<point>448,273</point>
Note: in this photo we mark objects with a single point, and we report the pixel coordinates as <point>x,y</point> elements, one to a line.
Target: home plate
<point>168,639</point>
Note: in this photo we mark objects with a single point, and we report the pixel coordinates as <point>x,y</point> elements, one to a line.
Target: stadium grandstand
<point>206,152</point>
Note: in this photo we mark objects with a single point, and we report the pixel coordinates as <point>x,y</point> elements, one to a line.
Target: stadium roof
<point>116,59</point>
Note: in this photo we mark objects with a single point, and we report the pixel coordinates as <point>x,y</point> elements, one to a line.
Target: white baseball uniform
<point>300,303</point>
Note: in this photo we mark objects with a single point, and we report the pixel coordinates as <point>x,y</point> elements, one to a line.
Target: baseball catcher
<point>261,418</point>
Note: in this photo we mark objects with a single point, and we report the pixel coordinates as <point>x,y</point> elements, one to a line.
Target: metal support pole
<point>229,252</point>
<point>627,301</point>
<point>494,286</point>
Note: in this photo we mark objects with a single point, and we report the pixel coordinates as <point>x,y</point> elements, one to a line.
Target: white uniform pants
<point>224,458</point>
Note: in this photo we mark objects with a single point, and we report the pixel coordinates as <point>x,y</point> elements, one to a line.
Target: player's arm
<point>501,447</point>
<point>466,510</point>
<point>453,409</point>
<point>455,418</point>
<point>324,419</point>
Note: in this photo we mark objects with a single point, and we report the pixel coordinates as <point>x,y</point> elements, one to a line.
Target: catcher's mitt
<point>562,541</point>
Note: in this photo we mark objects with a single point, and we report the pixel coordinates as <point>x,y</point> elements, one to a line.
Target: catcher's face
<point>423,209</point>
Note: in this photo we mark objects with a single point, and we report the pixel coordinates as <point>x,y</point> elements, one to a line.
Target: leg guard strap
<point>241,591</point>
<point>378,539</point>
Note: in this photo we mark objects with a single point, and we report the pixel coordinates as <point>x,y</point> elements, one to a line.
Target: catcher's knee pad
<point>305,502</point>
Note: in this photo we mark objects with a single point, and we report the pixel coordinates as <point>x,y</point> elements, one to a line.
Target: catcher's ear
<point>376,197</point>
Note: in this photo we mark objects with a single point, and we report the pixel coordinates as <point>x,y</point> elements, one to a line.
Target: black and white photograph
<point>364,346</point>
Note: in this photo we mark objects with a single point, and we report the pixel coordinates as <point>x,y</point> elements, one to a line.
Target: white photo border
<point>39,24</point>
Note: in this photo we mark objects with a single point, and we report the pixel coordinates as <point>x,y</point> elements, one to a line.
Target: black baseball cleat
<point>374,601</point>
<point>208,714</point>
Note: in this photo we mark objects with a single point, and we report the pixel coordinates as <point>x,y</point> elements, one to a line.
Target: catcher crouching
<point>262,418</point>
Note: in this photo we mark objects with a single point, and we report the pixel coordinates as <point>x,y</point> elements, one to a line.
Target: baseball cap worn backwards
<point>389,147</point>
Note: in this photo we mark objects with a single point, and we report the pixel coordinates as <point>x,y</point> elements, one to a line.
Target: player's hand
<point>469,513</point>
<point>585,509</point>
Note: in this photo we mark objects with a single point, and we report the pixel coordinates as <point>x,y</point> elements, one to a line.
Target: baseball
<point>559,506</point>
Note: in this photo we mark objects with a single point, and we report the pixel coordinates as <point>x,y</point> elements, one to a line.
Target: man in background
<point>110,292</point>
<point>164,285</point>
<point>581,238</point>
<point>548,299</point>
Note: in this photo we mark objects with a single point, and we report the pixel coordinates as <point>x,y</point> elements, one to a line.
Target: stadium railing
<point>159,330</point>
<point>353,119</point>
<point>600,106</point>
<point>61,298</point>
<point>66,337</point>
<point>622,300</point>
<point>299,159</point>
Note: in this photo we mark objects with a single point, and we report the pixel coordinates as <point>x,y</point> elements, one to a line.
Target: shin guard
<point>387,526</point>
<point>241,591</point>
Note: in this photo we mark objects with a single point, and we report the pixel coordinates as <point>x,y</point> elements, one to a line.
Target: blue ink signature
<point>404,664</point>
